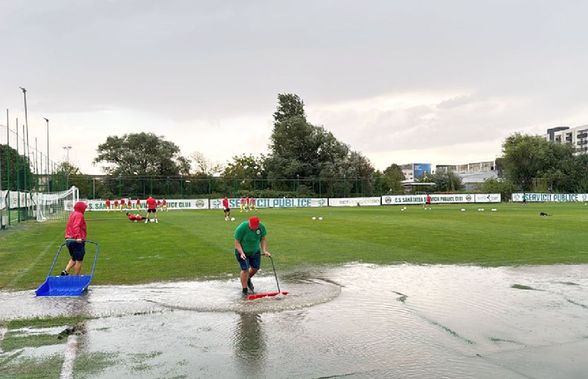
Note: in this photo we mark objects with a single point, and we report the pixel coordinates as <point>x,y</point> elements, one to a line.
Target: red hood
<point>80,206</point>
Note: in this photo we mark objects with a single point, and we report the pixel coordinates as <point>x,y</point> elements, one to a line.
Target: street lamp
<point>67,149</point>
<point>24,93</point>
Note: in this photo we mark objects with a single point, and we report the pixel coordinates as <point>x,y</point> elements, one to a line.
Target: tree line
<point>309,156</point>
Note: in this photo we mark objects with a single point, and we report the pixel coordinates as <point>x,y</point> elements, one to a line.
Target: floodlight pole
<point>47,120</point>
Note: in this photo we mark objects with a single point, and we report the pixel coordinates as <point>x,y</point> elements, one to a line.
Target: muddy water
<point>354,321</point>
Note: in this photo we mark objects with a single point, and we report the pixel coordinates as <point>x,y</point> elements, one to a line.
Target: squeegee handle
<point>275,275</point>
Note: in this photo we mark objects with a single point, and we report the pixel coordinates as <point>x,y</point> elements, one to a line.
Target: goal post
<point>55,205</point>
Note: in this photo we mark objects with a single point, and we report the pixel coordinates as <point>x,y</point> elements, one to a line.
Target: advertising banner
<point>355,202</point>
<point>549,197</point>
<point>440,199</point>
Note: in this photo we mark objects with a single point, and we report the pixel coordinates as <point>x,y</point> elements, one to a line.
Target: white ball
<point>314,218</point>
<point>232,219</point>
<point>320,219</point>
<point>493,209</point>
<point>151,220</point>
<point>462,209</point>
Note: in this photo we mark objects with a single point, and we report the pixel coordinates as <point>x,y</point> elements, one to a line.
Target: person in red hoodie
<point>75,238</point>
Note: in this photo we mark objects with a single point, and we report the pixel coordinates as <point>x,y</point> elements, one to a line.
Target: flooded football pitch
<point>352,321</point>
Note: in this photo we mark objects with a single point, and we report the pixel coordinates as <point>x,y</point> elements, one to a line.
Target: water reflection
<point>250,343</point>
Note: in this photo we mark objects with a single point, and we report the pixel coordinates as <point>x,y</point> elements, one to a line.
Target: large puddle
<point>352,321</point>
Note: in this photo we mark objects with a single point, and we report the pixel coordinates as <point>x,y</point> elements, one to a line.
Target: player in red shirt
<point>116,204</point>
<point>252,204</point>
<point>138,206</point>
<point>108,204</point>
<point>122,203</point>
<point>129,203</point>
<point>151,209</point>
<point>134,217</point>
<point>164,205</point>
<point>242,204</point>
<point>226,209</point>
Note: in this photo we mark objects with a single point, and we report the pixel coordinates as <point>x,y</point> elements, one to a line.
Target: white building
<point>577,136</point>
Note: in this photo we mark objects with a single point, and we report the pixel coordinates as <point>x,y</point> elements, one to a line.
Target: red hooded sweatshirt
<point>76,225</point>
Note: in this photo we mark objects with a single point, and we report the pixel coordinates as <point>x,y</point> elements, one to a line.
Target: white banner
<point>549,197</point>
<point>440,199</point>
<point>172,205</point>
<point>487,198</point>
<point>355,202</point>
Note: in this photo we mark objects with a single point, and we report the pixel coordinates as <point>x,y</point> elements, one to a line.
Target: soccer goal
<point>55,205</point>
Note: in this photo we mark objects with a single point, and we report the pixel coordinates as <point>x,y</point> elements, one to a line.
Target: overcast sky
<point>441,82</point>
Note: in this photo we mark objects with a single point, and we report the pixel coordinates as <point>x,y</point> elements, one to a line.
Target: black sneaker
<point>250,284</point>
<point>64,273</point>
<point>244,292</point>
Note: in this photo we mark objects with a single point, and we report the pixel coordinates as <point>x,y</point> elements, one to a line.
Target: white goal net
<point>55,205</point>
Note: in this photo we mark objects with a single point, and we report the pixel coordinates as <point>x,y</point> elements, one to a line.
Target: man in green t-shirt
<point>249,236</point>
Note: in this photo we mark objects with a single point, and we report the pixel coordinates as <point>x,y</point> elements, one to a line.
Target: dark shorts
<point>77,250</point>
<point>151,210</point>
<point>227,209</point>
<point>249,261</point>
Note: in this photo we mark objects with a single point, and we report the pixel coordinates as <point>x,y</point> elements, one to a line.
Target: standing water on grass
<point>354,321</point>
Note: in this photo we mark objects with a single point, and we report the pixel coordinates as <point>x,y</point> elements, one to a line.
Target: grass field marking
<point>32,264</point>
<point>71,352</point>
<point>3,331</point>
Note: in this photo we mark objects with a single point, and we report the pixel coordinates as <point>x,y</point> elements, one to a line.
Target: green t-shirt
<point>250,240</point>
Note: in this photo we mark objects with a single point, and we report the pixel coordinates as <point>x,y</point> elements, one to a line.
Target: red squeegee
<point>260,295</point>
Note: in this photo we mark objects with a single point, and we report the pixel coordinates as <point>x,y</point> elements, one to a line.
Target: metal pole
<point>27,148</point>
<point>47,120</point>
<point>8,164</point>
<point>17,176</point>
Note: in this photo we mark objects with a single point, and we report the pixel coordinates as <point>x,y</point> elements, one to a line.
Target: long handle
<point>274,267</point>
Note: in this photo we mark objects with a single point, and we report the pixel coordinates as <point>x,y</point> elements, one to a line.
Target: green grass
<point>197,244</point>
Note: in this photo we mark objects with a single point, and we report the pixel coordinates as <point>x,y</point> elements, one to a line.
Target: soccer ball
<point>314,218</point>
<point>232,219</point>
<point>320,219</point>
<point>151,220</point>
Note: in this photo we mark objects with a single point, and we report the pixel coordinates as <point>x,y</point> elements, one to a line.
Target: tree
<point>300,149</point>
<point>504,187</point>
<point>245,169</point>
<point>204,166</point>
<point>392,178</point>
<point>16,170</point>
<point>141,154</point>
<point>528,157</point>
<point>445,181</point>
<point>289,105</point>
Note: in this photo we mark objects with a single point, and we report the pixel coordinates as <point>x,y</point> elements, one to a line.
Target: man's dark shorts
<point>253,260</point>
<point>227,209</point>
<point>151,210</point>
<point>77,250</point>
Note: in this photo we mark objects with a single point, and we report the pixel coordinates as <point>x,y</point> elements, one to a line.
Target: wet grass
<point>17,337</point>
<point>188,245</point>
<point>31,368</point>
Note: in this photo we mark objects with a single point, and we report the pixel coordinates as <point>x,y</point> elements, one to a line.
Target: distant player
<point>226,209</point>
<point>107,204</point>
<point>242,204</point>
<point>252,204</point>
<point>122,203</point>
<point>134,217</point>
<point>115,204</point>
<point>129,203</point>
<point>428,201</point>
<point>138,203</point>
<point>151,210</point>
<point>164,205</point>
<point>247,203</point>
